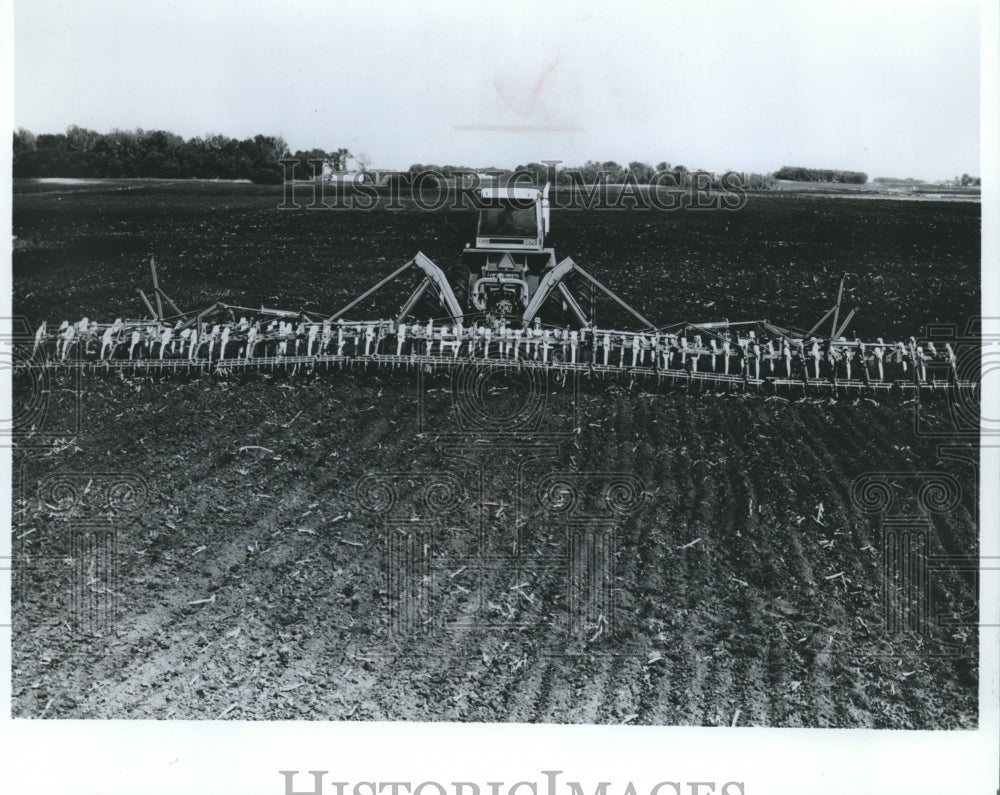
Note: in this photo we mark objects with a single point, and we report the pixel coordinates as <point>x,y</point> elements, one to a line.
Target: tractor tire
<point>458,277</point>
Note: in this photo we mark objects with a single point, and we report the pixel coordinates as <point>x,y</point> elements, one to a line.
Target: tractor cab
<point>513,218</point>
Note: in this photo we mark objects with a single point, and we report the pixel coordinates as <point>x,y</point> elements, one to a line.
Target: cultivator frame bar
<point>648,375</point>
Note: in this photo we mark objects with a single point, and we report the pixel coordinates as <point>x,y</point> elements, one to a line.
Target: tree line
<point>80,152</point>
<point>800,174</point>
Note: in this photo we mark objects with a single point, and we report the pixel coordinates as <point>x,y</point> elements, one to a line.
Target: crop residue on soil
<point>209,547</point>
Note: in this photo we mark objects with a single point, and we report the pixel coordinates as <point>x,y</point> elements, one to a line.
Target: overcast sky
<point>889,88</point>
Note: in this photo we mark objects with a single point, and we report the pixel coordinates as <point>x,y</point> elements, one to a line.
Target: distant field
<point>893,189</point>
<point>255,580</point>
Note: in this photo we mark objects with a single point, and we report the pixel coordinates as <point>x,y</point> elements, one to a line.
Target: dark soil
<point>340,545</point>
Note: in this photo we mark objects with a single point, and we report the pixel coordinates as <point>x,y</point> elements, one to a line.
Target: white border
<point>146,757</point>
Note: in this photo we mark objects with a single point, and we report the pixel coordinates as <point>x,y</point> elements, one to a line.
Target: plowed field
<point>353,545</point>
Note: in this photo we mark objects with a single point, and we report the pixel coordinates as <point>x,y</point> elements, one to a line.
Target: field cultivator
<point>509,305</point>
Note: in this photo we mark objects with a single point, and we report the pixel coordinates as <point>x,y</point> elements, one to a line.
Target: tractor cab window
<point>508,219</point>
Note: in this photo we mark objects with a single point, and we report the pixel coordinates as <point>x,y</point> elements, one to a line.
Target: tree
<point>338,159</point>
<point>614,171</point>
<point>538,171</point>
<point>24,141</point>
<point>80,139</point>
<point>800,174</point>
<point>364,161</point>
<point>641,171</point>
<point>265,152</point>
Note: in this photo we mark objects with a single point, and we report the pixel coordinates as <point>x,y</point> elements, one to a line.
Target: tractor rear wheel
<point>458,277</point>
